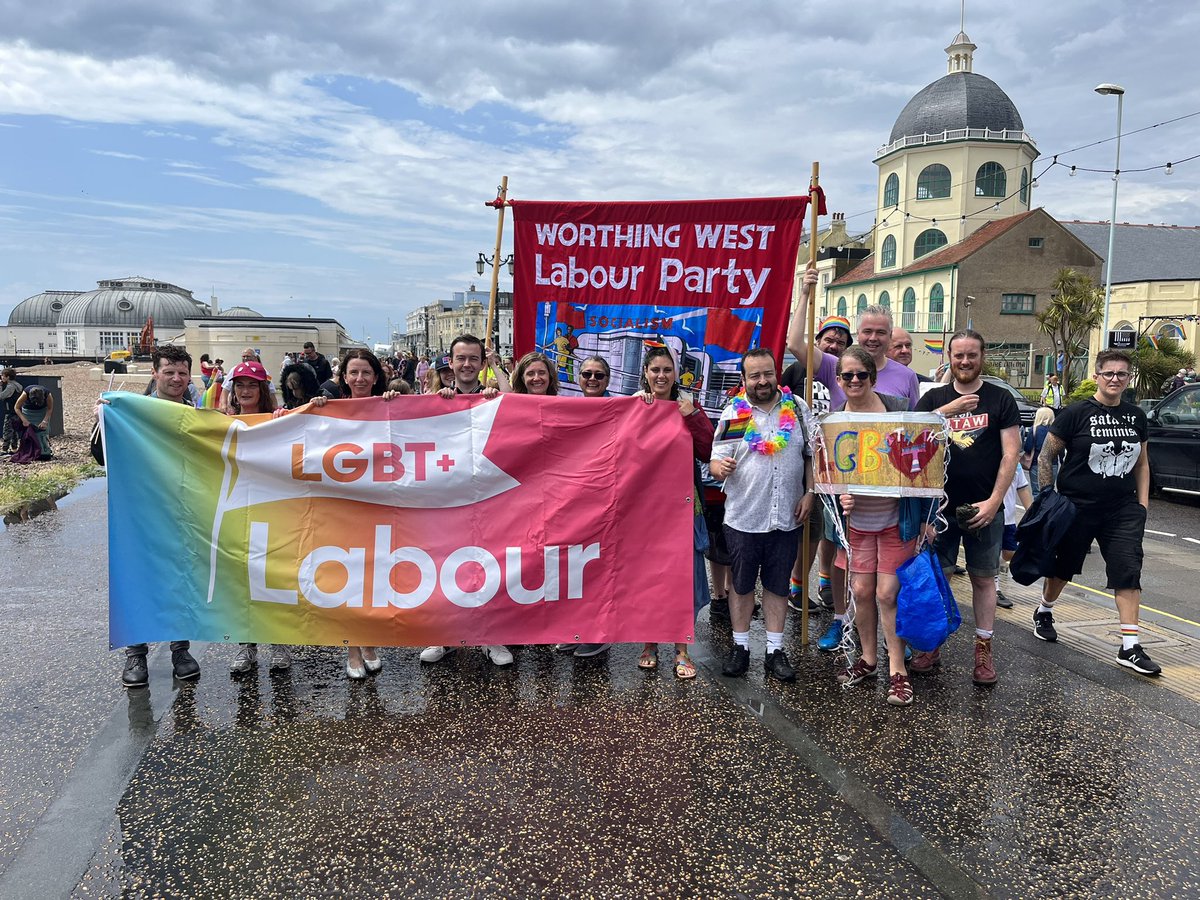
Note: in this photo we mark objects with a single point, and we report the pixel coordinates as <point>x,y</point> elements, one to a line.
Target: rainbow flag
<point>211,398</point>
<point>935,345</point>
<point>1153,341</point>
<point>735,429</point>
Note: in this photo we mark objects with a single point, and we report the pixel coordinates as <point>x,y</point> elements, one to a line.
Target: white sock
<point>742,639</point>
<point>841,620</point>
<point>1042,607</point>
<point>774,641</point>
<point>986,635</point>
<point>1129,636</point>
<point>997,581</point>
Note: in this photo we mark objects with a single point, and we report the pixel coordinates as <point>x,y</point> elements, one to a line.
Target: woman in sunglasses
<point>882,533</point>
<point>594,376</point>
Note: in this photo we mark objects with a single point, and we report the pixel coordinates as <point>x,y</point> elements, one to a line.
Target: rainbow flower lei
<point>753,437</point>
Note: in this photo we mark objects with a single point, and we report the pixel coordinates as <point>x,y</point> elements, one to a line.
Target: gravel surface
<point>79,398</point>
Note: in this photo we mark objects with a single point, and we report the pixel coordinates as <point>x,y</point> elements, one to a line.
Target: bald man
<point>901,350</point>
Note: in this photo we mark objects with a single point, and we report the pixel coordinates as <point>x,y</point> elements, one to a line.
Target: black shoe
<point>1043,626</point>
<point>777,664</point>
<point>1139,660</point>
<point>585,650</point>
<point>959,570</point>
<point>135,674</point>
<point>738,663</point>
<point>1002,601</point>
<point>184,664</point>
<point>825,595</point>
<point>800,603</point>
<point>718,611</point>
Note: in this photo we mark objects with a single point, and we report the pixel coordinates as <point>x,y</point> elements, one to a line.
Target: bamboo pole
<point>500,202</point>
<point>813,213</point>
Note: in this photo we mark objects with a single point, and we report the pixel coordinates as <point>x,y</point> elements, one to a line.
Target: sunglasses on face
<point>854,376</point>
<point>593,376</point>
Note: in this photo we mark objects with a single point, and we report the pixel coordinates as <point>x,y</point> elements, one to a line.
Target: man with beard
<point>763,455</point>
<point>985,442</point>
<point>902,350</point>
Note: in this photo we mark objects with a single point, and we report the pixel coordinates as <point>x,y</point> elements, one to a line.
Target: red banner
<point>709,278</point>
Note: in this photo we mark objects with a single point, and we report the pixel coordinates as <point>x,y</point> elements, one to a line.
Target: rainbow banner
<point>935,345</point>
<point>411,522</point>
<point>881,454</point>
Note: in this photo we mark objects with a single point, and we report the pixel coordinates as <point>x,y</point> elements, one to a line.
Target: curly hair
<point>309,386</point>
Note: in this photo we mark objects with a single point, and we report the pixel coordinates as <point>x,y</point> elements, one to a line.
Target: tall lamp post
<point>494,263</point>
<point>1106,89</point>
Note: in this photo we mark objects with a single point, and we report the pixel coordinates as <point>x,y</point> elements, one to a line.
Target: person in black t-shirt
<point>984,445</point>
<point>1107,476</point>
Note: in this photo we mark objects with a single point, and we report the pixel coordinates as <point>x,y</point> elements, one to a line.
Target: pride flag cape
<point>211,398</point>
<point>410,522</point>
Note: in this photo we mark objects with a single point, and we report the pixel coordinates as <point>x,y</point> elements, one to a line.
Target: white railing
<point>956,134</point>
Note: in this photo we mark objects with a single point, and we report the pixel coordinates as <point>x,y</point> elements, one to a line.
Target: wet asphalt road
<point>563,777</point>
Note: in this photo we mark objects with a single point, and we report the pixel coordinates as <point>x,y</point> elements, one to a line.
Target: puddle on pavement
<point>83,490</point>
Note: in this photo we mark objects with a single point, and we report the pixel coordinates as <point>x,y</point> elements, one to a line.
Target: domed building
<point>33,323</point>
<point>956,241</point>
<point>112,316</point>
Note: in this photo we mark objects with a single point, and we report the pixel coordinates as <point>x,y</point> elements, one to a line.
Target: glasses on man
<point>1113,376</point>
<point>854,376</point>
<point>592,376</point>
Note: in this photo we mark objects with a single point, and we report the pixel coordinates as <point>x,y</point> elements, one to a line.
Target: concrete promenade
<point>580,778</point>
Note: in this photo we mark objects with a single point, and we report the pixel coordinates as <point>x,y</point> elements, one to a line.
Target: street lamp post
<point>969,300</point>
<point>494,263</point>
<point>1105,90</point>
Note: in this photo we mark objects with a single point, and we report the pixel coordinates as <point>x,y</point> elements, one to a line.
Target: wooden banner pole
<point>500,202</point>
<point>814,206</point>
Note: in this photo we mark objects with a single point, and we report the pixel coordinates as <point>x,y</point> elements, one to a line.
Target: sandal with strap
<point>648,659</point>
<point>685,669</point>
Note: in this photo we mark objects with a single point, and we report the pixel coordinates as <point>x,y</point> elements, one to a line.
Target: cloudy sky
<point>332,158</point>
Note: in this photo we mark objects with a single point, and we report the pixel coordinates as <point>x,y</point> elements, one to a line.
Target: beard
<point>967,374</point>
<point>762,392</point>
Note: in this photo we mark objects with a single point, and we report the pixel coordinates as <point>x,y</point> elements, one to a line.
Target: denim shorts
<point>769,555</point>
<point>982,548</point>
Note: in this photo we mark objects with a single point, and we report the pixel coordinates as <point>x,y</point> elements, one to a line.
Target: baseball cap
<point>836,322</point>
<point>443,363</point>
<point>251,369</point>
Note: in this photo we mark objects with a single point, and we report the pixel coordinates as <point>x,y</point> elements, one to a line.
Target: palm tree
<point>1076,309</point>
<point>1155,364</point>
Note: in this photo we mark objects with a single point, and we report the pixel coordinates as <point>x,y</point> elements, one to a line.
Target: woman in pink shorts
<point>882,533</point>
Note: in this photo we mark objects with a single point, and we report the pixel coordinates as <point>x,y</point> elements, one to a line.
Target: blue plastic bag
<point>926,613</point>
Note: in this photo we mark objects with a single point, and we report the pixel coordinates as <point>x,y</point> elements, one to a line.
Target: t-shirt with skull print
<point>1103,444</point>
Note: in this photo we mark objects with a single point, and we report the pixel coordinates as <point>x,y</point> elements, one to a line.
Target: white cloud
<point>116,154</point>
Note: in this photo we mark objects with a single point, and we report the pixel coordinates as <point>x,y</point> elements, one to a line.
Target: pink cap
<point>251,369</point>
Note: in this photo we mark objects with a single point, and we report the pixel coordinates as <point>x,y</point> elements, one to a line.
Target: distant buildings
<point>92,324</point>
<point>432,327</point>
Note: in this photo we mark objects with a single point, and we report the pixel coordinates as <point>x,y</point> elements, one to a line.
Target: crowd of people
<point>753,471</point>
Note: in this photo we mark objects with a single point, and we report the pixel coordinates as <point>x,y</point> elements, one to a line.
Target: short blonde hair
<point>1044,416</point>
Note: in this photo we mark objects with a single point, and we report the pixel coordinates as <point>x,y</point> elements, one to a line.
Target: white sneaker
<point>435,654</point>
<point>500,656</point>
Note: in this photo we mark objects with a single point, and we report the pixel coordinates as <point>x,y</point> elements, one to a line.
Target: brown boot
<point>985,671</point>
<point>923,663</point>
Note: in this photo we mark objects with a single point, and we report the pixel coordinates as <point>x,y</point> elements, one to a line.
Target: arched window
<point>908,312</point>
<point>990,180</point>
<point>1025,186</point>
<point>937,306</point>
<point>885,300</point>
<point>891,191</point>
<point>841,306</point>
<point>862,303</point>
<point>928,241</point>
<point>887,256</point>
<point>933,182</point>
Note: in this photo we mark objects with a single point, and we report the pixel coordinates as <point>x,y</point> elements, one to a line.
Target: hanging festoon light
<point>1170,170</point>
<point>1073,172</point>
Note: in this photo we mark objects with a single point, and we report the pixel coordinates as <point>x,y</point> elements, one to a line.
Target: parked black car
<point>1175,441</point>
<point>1024,407</point>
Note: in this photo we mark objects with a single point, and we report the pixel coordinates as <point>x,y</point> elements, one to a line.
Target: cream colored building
<point>1156,279</point>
